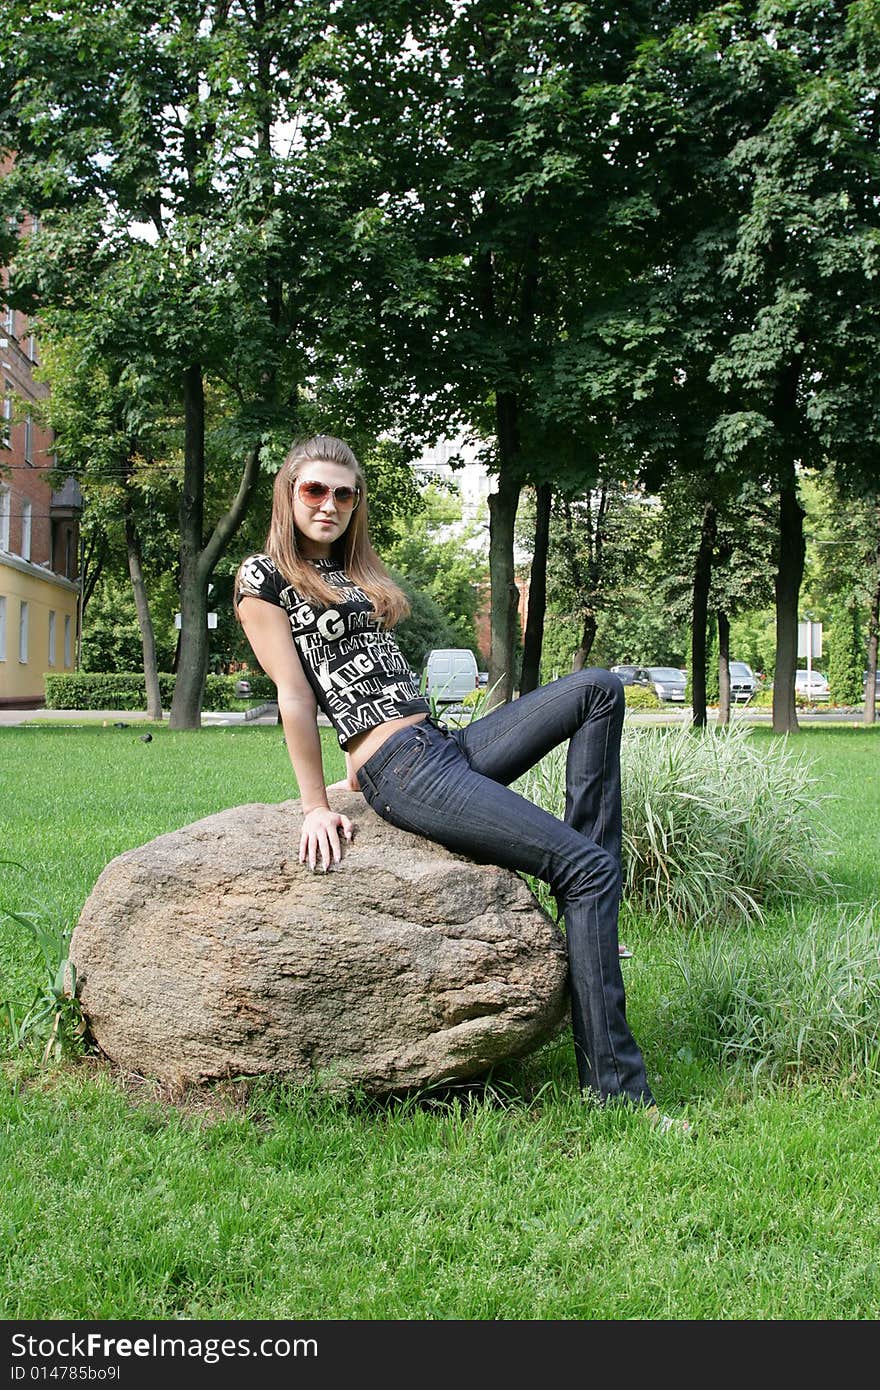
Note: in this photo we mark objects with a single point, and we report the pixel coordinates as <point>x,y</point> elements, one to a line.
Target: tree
<point>617,611</point>
<point>606,588</point>
<point>112,638</point>
<point>427,625</point>
<point>496,213</point>
<point>714,547</point>
<point>767,115</point>
<point>144,140</point>
<point>445,568</point>
<point>126,489</point>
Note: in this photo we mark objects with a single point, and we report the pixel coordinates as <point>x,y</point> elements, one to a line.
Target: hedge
<point>126,690</point>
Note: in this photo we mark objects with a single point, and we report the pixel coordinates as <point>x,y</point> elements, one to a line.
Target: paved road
<point>267,714</point>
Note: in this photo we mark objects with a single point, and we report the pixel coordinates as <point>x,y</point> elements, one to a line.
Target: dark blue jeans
<point>452,787</point>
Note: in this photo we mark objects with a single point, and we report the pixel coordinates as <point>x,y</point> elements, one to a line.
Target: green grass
<point>512,1201</point>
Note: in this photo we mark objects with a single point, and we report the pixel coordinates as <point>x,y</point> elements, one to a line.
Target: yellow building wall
<point>44,593</point>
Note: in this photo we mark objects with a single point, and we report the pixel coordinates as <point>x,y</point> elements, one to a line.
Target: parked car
<point>632,675</point>
<point>449,674</point>
<point>876,686</point>
<point>743,681</point>
<point>811,685</point>
<point>668,682</point>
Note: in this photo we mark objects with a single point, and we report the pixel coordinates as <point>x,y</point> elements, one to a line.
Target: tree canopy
<point>634,243</point>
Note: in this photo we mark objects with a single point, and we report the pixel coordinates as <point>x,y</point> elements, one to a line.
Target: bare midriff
<point>364,745</point>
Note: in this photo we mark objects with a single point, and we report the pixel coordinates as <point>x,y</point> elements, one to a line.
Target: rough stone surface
<point>212,952</point>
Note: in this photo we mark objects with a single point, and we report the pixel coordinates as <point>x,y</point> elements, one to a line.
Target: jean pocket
<point>408,760</point>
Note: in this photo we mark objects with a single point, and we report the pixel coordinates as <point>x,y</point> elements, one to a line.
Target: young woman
<point>318,609</point>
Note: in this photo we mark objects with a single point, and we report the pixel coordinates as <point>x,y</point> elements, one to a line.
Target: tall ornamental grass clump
<point>715,827</point>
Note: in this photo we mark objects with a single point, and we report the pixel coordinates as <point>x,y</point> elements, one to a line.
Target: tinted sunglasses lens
<point>315,494</point>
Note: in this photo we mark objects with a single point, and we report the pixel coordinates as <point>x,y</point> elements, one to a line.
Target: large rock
<point>212,952</point>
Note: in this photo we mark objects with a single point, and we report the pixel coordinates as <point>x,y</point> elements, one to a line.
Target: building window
<point>68,554</point>
<point>2,627</point>
<point>68,659</point>
<point>27,512</point>
<point>29,438</point>
<point>23,632</point>
<point>51,637</point>
<point>4,518</point>
<point>32,347</point>
<point>9,321</point>
<point>6,421</point>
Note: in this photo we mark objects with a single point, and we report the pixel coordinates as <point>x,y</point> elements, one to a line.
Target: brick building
<point>39,529</point>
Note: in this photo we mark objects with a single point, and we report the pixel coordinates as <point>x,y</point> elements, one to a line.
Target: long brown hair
<point>353,549</point>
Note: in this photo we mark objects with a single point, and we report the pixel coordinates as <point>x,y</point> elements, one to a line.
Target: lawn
<point>514,1200</point>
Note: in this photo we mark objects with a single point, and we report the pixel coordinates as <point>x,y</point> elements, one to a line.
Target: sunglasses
<point>314,494</point>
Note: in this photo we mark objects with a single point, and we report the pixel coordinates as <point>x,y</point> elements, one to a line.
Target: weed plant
<point>52,1021</point>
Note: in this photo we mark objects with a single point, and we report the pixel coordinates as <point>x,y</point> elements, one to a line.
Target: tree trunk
<point>534,634</point>
<point>192,664</point>
<point>700,614</point>
<point>197,562</point>
<point>788,586</point>
<point>502,519</point>
<point>873,631</point>
<point>145,622</point>
<point>723,668</point>
<point>588,637</point>
<point>92,557</point>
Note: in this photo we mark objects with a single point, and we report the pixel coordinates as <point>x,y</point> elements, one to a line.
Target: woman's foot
<point>669,1124</point>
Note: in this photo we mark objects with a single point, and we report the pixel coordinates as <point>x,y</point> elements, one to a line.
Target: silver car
<point>668,682</point>
<point>743,681</point>
<point>632,675</point>
<point>811,685</point>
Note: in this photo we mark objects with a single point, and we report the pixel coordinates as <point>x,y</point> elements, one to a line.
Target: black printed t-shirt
<point>356,669</point>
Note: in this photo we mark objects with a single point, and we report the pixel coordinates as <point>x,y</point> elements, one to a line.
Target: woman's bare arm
<point>268,631</point>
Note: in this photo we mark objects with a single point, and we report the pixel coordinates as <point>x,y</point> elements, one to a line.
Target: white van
<point>449,674</point>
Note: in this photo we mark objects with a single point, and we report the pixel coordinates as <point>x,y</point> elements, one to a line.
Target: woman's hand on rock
<point>320,838</point>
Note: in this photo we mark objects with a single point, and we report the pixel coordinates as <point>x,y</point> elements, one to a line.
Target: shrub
<point>640,697</point>
<point>715,827</point>
<point>126,690</point>
<point>220,691</point>
<point>846,656</point>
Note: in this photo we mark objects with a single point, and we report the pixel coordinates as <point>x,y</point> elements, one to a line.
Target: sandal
<point>624,952</point>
